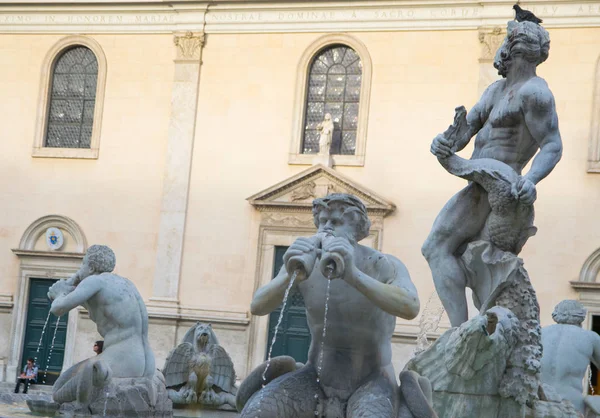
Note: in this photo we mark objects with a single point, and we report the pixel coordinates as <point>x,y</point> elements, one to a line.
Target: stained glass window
<point>72,99</point>
<point>333,87</point>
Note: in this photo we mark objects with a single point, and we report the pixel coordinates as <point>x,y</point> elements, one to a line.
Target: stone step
<point>8,387</point>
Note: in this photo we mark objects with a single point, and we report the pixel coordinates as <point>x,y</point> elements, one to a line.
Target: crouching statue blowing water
<point>349,372</point>
<point>122,380</point>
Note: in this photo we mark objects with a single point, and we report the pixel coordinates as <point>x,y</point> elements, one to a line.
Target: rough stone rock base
<point>125,397</point>
<point>453,405</point>
<point>43,407</point>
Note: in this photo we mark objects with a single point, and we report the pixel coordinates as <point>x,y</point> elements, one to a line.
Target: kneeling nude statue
<point>122,380</point>
<point>349,373</point>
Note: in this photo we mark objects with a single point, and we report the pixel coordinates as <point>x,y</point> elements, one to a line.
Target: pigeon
<point>525,15</point>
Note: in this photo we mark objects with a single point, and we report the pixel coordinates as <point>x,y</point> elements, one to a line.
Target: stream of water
<point>323,336</point>
<point>284,303</point>
<point>51,349</point>
<point>37,352</point>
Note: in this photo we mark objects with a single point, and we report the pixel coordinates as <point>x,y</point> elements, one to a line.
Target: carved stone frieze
<point>490,40</point>
<point>189,46</point>
<point>296,193</point>
<point>304,192</point>
<point>292,220</point>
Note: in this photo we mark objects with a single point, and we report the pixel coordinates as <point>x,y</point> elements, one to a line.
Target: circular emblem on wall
<point>54,238</point>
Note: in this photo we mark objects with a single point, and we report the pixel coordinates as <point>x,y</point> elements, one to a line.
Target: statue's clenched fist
<point>301,257</point>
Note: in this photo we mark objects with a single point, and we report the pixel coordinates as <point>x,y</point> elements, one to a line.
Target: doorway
<point>50,356</point>
<point>293,335</point>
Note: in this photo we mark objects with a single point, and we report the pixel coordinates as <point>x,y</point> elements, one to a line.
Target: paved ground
<point>13,405</point>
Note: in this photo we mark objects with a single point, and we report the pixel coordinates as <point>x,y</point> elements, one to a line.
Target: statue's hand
<point>60,288</point>
<point>302,253</point>
<point>346,250</point>
<point>526,191</point>
<point>441,147</point>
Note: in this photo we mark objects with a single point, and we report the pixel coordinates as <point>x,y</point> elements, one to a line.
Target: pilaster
<point>490,39</point>
<point>176,180</point>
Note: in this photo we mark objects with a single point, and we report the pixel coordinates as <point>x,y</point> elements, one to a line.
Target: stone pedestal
<point>204,413</point>
<point>323,159</point>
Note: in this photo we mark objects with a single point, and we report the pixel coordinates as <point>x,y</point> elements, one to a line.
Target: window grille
<point>334,84</point>
<point>72,99</point>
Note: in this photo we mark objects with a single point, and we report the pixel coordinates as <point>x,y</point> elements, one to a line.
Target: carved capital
<point>490,39</point>
<point>189,46</point>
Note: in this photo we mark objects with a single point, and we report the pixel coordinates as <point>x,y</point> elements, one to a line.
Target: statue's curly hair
<point>533,40</point>
<point>352,203</point>
<point>569,312</point>
<point>101,258</point>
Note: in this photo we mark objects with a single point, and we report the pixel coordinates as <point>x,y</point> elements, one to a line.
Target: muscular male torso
<point>504,135</point>
<point>119,312</point>
<point>358,340</point>
<point>568,350</point>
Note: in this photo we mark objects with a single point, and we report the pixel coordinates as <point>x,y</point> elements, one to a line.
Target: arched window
<point>72,99</point>
<point>334,87</point>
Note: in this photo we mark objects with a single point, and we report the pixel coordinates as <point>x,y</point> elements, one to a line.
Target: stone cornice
<point>267,200</point>
<point>49,254</point>
<point>282,16</point>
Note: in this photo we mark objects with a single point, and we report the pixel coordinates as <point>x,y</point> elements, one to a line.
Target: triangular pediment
<point>297,192</point>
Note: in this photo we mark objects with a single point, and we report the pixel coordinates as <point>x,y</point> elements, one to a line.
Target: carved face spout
<point>202,337</point>
<point>203,340</point>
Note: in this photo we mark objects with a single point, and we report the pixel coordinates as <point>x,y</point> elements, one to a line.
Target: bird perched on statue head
<point>522,15</point>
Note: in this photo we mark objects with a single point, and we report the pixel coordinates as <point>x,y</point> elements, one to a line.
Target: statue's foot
<point>416,396</point>
<point>377,398</point>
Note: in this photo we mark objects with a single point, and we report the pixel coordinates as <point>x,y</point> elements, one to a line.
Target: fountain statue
<point>200,372</point>
<point>353,295</point>
<point>122,381</point>
<point>476,239</point>
<point>568,351</point>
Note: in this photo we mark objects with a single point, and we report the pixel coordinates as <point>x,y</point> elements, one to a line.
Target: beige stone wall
<point>116,198</point>
<point>243,132</point>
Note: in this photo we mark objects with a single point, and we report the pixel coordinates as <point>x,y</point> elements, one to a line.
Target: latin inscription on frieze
<point>234,17</point>
<point>589,9</point>
<point>88,19</point>
<point>338,17</point>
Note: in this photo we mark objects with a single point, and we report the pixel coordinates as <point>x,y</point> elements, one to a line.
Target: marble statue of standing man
<point>325,129</point>
<point>568,351</point>
<point>514,118</point>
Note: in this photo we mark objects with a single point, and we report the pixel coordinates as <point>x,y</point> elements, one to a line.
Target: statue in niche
<point>349,373</point>
<point>325,129</point>
<point>122,380</point>
<point>199,371</point>
<point>568,351</point>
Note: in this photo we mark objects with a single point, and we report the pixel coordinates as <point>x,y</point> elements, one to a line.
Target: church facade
<point>185,135</point>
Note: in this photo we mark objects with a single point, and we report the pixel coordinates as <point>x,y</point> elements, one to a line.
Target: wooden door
<point>50,357</point>
<point>293,336</point>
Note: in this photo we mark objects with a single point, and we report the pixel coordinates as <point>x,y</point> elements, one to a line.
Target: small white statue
<point>568,351</point>
<point>200,371</point>
<point>325,129</point>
